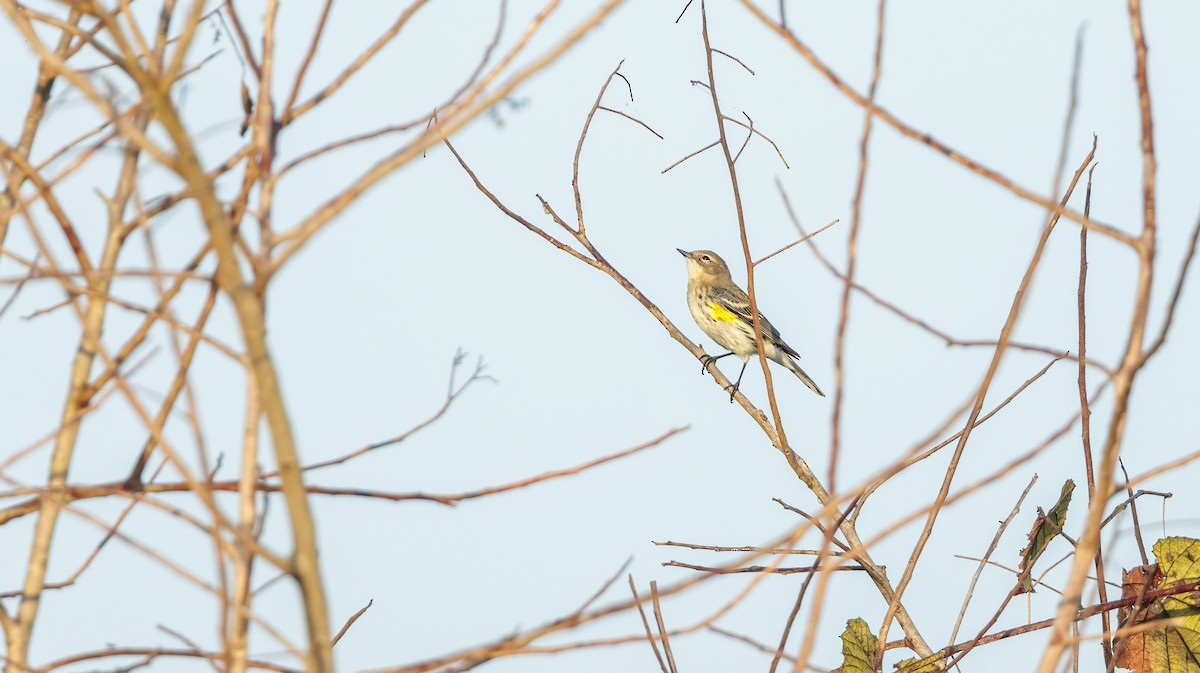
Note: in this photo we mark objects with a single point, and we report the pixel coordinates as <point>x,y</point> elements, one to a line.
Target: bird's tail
<point>795,369</point>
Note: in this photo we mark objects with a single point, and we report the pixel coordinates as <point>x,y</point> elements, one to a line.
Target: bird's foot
<point>706,360</point>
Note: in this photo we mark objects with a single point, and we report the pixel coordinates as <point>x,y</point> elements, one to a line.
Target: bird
<point>722,311</point>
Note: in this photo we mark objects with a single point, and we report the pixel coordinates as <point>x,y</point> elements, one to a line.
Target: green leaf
<point>858,647</point>
<point>910,665</point>
<point>1044,530</point>
<point>1173,648</point>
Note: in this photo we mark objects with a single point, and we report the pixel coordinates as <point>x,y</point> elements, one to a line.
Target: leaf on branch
<point>1044,530</point>
<point>858,647</point>
<point>1173,647</point>
<point>910,665</point>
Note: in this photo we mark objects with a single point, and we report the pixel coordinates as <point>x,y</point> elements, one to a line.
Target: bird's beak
<point>685,253</point>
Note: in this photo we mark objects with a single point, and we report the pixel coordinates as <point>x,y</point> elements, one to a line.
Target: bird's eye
<point>706,258</point>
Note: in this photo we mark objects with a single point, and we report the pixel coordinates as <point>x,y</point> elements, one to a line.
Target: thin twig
<point>987,556</point>
<point>1180,278</point>
<point>948,339</point>
<point>17,290</point>
<point>760,569</point>
<point>689,156</point>
<point>1128,502</point>
<point>1076,615</point>
<point>734,59</point>
<point>1132,360</point>
<point>1005,334</point>
<point>795,242</point>
<point>587,122</point>
<point>1085,412</point>
<point>787,627</point>
<point>1137,526</point>
<point>926,138</point>
<point>350,622</point>
<point>662,629</point>
<point>760,550</point>
<point>637,601</point>
<point>760,134</point>
<point>631,117</point>
<point>815,522</point>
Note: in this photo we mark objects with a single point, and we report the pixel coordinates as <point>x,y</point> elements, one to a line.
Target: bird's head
<point>705,265</point>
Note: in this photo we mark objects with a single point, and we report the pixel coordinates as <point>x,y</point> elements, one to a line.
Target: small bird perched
<point>722,310</point>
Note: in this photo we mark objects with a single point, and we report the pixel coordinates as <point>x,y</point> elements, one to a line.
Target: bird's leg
<point>706,360</point>
<point>738,384</point>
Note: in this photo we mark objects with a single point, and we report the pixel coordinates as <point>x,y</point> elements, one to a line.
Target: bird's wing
<point>738,303</point>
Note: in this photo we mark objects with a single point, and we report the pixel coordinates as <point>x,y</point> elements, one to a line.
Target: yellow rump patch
<point>721,313</point>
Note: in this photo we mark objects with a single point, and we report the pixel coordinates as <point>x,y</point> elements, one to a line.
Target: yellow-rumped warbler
<point>722,310</point>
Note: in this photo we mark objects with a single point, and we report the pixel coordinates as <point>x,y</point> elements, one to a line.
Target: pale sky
<point>365,322</point>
